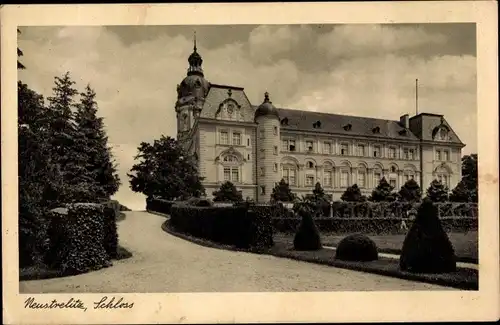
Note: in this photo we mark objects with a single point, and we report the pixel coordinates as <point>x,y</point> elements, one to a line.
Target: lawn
<point>465,244</point>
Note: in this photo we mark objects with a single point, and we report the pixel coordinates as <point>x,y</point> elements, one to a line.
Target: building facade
<point>255,146</point>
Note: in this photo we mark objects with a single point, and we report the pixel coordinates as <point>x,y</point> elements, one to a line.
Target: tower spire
<point>194,41</point>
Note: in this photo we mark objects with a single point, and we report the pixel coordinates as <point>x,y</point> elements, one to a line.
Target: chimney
<point>405,121</point>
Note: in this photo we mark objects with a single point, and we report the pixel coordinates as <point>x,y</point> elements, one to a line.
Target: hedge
<point>370,225</point>
<point>159,205</point>
<point>235,225</point>
<point>77,238</point>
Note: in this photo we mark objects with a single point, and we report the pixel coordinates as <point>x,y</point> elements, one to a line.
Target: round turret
<point>266,108</point>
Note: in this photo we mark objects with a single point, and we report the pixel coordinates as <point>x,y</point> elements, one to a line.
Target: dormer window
<point>347,127</point>
<point>284,121</point>
<point>403,132</point>
<point>376,130</point>
<point>317,124</point>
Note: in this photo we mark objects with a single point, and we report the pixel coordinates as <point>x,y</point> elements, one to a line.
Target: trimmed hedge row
<point>370,225</point>
<point>159,205</point>
<point>82,237</point>
<point>235,225</point>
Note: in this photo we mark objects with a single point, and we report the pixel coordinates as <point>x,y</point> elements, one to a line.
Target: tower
<point>268,148</point>
<point>191,93</point>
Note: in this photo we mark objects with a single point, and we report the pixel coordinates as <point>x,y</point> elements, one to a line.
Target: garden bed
<point>465,279</point>
<point>465,244</point>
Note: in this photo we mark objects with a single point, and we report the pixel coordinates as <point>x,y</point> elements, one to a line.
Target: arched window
<point>231,168</point>
<point>289,174</point>
<point>361,181</point>
<point>442,174</point>
<point>310,164</point>
<point>327,174</point>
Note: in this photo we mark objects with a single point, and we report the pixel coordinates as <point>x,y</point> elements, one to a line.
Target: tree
<point>352,194</point>
<point>410,191</point>
<point>437,192</point>
<point>461,193</point>
<point>282,192</point>
<point>318,193</point>
<point>383,192</point>
<point>63,136</point>
<point>164,169</point>
<point>469,175</point>
<point>227,193</point>
<point>100,170</point>
<point>20,66</point>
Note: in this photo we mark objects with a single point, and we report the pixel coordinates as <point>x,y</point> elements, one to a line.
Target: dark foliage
<point>227,193</point>
<point>383,192</point>
<point>165,170</point>
<point>20,66</point>
<point>437,192</point>
<point>427,248</point>
<point>200,202</point>
<point>111,212</point>
<point>352,194</point>
<point>159,205</point>
<point>307,237</point>
<point>356,247</point>
<point>282,192</point>
<point>461,193</point>
<point>410,191</point>
<point>469,176</point>
<point>226,225</point>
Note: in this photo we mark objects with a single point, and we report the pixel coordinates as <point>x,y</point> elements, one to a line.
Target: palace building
<point>255,146</point>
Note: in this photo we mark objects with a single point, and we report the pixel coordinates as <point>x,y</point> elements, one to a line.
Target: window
<point>248,158</point>
<point>275,150</point>
<point>327,147</point>
<point>224,137</point>
<point>344,149</point>
<point>236,138</point>
<point>392,182</point>
<point>262,171</point>
<point>262,153</point>
<point>344,176</point>
<point>361,150</point>
<point>392,152</point>
<point>275,167</point>
<point>248,142</point>
<point>411,154</point>
<point>376,151</point>
<point>393,169</point>
<point>288,175</point>
<point>235,175</point>
<point>284,145</point>
<point>262,134</point>
<point>309,180</point>
<point>262,190</point>
<point>288,145</point>
<point>309,145</point>
<point>408,176</point>
<point>275,130</point>
<point>446,155</point>
<point>232,174</point>
<point>227,174</point>
<point>438,155</point>
<point>444,179</point>
<point>361,179</point>
<point>376,178</point>
<point>230,158</point>
<point>327,178</point>
<point>310,164</point>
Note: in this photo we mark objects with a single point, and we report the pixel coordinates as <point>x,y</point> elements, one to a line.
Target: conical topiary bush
<point>307,237</point>
<point>427,248</point>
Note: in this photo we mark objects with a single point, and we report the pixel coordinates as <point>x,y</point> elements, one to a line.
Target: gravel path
<point>164,263</point>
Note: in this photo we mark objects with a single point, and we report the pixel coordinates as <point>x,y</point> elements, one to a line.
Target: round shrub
<point>427,248</point>
<point>194,201</point>
<point>357,247</point>
<point>307,237</point>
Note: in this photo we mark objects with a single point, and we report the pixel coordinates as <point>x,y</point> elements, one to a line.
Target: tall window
<point>275,167</point>
<point>327,147</point>
<point>344,149</point>
<point>309,180</point>
<point>376,151</point>
<point>392,152</point>
<point>438,154</point>
<point>309,145</point>
<point>411,154</point>
<point>224,137</point>
<point>275,150</point>
<point>361,150</point>
<point>376,178</point>
<point>236,138</point>
<point>361,178</point>
<point>248,142</point>
<point>408,153</point>
<point>275,130</point>
<point>327,178</point>
<point>288,145</point>
<point>262,171</point>
<point>344,178</point>
<point>262,133</point>
<point>310,164</point>
<point>444,179</point>
<point>392,182</point>
<point>288,175</point>
<point>232,174</point>
<point>446,155</point>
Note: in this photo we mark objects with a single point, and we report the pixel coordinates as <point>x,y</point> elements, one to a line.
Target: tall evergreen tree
<point>437,191</point>
<point>227,193</point>
<point>282,192</point>
<point>383,192</point>
<point>63,136</point>
<point>20,66</point>
<point>100,170</point>
<point>410,191</point>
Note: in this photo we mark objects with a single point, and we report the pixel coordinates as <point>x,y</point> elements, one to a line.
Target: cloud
<point>366,40</point>
<point>136,81</point>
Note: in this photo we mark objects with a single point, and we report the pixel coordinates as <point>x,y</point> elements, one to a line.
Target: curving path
<point>164,263</point>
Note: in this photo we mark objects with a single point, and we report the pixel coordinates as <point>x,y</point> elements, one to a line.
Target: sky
<point>362,70</point>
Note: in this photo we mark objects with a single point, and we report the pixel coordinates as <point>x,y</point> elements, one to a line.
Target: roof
<point>343,124</point>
